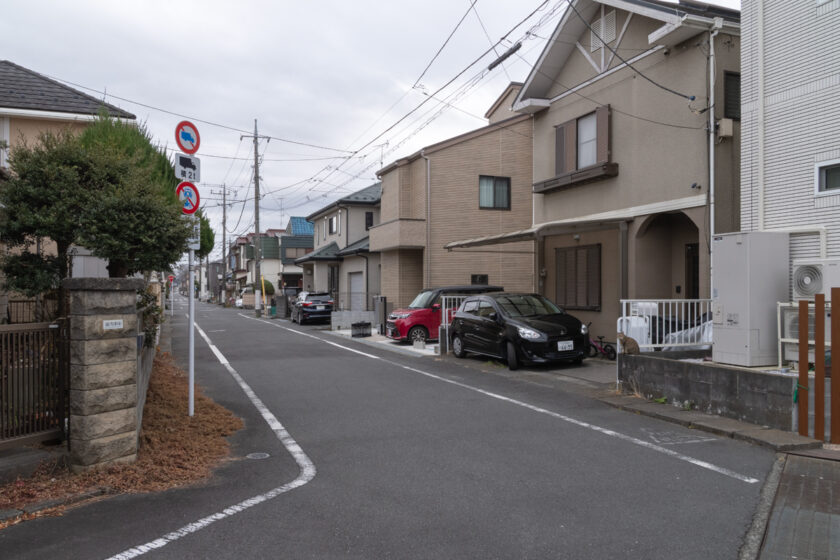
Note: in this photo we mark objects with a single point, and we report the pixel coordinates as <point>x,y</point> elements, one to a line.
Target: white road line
<point>606,431</point>
<point>307,470</point>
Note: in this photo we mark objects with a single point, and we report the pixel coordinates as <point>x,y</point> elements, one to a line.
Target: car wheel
<point>610,350</point>
<point>512,360</point>
<point>418,333</point>
<point>458,347</point>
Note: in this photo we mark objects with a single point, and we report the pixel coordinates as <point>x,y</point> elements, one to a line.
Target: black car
<point>311,306</point>
<point>519,328</point>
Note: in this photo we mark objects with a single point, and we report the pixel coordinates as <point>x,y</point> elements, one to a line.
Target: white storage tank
<point>750,275</point>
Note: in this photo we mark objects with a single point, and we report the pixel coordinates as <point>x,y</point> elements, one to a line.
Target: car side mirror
<point>493,316</point>
<point>436,307</point>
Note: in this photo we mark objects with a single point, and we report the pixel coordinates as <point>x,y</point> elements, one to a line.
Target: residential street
<point>403,457</point>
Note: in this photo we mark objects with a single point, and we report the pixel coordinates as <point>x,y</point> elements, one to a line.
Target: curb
<point>754,538</point>
<point>777,440</point>
<point>39,507</point>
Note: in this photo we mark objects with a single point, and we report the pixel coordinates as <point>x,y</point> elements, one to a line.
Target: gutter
<point>713,32</point>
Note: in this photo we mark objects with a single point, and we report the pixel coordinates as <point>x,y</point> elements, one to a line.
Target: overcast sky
<point>332,74</point>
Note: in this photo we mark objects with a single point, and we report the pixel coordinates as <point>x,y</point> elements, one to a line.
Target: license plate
<point>319,308</point>
<point>565,345</point>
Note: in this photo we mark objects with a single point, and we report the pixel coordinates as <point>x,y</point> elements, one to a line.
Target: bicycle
<point>597,347</point>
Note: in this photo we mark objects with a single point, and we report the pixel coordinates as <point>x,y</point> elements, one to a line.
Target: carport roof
<point>570,224</point>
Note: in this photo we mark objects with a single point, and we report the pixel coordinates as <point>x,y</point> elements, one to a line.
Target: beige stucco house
<point>622,187</point>
<point>342,261</point>
<point>475,184</point>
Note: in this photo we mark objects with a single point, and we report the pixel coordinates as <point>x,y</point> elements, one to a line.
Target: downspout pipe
<point>718,24</point>
<point>428,252</point>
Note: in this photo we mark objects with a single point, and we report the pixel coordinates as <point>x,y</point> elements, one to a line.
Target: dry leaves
<point>175,450</point>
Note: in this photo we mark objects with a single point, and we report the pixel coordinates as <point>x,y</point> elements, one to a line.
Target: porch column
<point>623,260</point>
<point>103,371</point>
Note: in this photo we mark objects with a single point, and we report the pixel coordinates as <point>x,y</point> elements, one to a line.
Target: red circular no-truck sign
<point>188,194</point>
<point>187,137</point>
<point>171,278</point>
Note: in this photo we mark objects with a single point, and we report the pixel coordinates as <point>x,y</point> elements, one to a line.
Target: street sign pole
<point>171,298</point>
<point>191,290</point>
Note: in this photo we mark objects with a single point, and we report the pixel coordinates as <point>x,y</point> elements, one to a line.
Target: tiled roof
<point>360,246</point>
<point>300,226</point>
<point>325,253</point>
<point>370,194</point>
<point>21,88</point>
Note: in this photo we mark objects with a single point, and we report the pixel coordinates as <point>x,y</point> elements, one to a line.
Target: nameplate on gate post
<point>112,324</point>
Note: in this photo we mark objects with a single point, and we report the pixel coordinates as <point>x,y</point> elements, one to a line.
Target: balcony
<point>406,233</point>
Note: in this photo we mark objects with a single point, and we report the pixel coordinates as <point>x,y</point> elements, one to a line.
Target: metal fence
<point>22,311</point>
<point>667,324</point>
<point>449,304</point>
<point>33,382</point>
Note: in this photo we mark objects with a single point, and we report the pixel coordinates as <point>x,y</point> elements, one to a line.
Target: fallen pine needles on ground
<point>175,450</point>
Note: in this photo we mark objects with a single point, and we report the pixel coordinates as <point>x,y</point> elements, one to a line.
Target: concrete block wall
<point>103,371</point>
<point>752,396</point>
<point>344,319</point>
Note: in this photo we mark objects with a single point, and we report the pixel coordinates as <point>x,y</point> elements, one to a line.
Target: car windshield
<point>527,306</point>
<point>423,300</point>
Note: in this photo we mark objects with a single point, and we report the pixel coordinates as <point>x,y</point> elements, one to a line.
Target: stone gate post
<point>103,371</point>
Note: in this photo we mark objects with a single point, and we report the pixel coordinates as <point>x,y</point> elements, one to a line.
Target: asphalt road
<point>373,454</point>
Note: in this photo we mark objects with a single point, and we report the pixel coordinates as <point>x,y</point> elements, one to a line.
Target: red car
<point>421,319</point>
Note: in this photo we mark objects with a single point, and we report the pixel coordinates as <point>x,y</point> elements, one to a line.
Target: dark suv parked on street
<point>311,306</point>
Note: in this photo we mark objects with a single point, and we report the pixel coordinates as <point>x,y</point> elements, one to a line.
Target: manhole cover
<point>257,456</point>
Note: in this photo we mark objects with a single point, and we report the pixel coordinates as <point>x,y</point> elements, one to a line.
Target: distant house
<point>30,104</point>
<point>342,262</point>
<point>623,168</point>
<point>296,241</point>
<point>473,185</point>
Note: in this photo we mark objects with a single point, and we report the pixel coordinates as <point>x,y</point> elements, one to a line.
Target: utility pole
<point>224,243</point>
<point>257,274</point>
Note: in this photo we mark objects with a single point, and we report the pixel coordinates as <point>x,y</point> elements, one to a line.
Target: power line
<point>446,42</point>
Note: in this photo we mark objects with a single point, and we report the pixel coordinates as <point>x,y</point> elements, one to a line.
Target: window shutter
<point>593,275</point>
<point>571,145</point>
<point>581,269</point>
<point>560,150</point>
<point>562,267</point>
<point>602,116</point>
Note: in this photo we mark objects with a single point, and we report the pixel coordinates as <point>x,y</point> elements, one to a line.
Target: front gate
<point>34,382</point>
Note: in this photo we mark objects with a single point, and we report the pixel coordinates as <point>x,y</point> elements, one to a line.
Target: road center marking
<point>605,431</point>
<point>307,469</point>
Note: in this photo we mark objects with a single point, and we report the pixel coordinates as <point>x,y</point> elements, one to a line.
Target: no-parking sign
<point>188,194</point>
<point>187,137</point>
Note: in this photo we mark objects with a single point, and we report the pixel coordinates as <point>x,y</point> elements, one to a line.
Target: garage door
<point>357,291</point>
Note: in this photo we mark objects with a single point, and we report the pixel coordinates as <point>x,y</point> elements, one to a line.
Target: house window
<point>828,177</point>
<point>368,220</point>
<point>494,192</point>
<point>333,224</point>
<point>587,137</point>
<point>579,277</point>
<point>732,95</point>
<point>582,142</point>
<point>482,279</point>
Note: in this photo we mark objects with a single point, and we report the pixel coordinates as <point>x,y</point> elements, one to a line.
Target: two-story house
<point>342,262</point>
<point>790,156</point>
<point>636,147</point>
<point>476,184</point>
<point>295,242</point>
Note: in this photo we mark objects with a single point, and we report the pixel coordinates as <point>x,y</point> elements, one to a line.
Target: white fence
<point>449,304</point>
<point>667,324</point>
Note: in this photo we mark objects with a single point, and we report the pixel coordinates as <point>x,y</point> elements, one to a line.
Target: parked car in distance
<point>519,328</point>
<point>421,319</point>
<point>311,306</point>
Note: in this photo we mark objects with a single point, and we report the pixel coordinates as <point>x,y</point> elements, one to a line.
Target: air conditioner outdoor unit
<point>815,276</point>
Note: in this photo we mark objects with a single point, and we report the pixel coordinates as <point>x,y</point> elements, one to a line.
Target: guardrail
<point>667,324</point>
